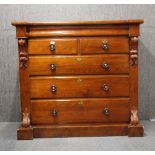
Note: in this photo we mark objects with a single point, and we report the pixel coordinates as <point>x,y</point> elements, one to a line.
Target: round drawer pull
<point>105,66</point>
<point>53,88</point>
<point>105,87</point>
<point>105,44</point>
<point>52,66</point>
<point>54,113</point>
<point>52,46</point>
<point>106,111</point>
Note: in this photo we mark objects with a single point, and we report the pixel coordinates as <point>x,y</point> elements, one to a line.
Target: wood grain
<point>79,86</point>
<point>62,46</point>
<point>74,65</point>
<point>80,111</point>
<point>79,96</point>
<point>94,45</point>
<point>81,22</point>
<point>80,130</point>
<point>77,33</point>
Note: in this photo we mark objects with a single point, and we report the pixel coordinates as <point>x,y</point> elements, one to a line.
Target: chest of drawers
<point>78,78</point>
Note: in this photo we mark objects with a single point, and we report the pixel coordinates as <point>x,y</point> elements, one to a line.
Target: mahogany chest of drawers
<point>78,78</point>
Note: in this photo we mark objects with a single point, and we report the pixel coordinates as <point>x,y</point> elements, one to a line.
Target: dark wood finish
<point>94,45</point>
<point>79,86</point>
<point>78,78</point>
<point>62,46</point>
<point>74,65</point>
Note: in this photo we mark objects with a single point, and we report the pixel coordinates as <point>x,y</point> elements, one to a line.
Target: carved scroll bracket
<point>26,118</point>
<point>134,117</point>
<point>134,50</point>
<point>23,55</point>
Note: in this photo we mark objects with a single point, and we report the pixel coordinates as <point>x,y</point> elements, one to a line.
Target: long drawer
<point>79,86</point>
<point>80,111</point>
<point>73,65</point>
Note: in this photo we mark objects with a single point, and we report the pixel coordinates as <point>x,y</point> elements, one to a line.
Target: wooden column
<point>25,131</point>
<point>134,129</point>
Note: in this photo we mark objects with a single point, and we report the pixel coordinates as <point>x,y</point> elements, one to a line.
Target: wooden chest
<point>78,78</point>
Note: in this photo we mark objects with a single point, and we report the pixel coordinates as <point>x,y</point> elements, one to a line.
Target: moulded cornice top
<point>103,22</point>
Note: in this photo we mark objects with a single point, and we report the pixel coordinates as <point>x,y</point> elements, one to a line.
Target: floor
<point>8,141</point>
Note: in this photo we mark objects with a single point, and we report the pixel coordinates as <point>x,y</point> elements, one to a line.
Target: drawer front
<point>67,65</point>
<point>52,46</point>
<point>80,111</point>
<point>79,86</point>
<point>104,45</point>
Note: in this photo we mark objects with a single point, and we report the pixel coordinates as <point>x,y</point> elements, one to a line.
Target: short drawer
<point>80,111</point>
<point>74,65</point>
<point>79,86</point>
<point>104,45</point>
<point>52,46</point>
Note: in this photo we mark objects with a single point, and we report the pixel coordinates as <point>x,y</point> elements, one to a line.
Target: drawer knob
<point>105,66</point>
<point>54,113</point>
<point>53,88</point>
<point>105,87</point>
<point>52,66</point>
<point>105,44</point>
<point>52,45</point>
<point>106,111</point>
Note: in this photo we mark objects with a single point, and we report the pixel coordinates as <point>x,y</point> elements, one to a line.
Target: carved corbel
<point>134,117</point>
<point>23,55</point>
<point>26,119</point>
<point>133,51</point>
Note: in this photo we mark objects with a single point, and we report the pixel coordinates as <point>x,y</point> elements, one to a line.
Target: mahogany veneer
<point>78,78</point>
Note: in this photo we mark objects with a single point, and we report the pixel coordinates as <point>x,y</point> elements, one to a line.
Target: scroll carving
<point>23,55</point>
<point>134,117</point>
<point>134,50</point>
<point>26,119</point>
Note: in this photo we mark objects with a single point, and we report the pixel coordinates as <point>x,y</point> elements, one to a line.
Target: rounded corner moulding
<point>101,22</point>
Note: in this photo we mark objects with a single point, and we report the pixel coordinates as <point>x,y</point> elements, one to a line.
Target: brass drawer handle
<point>52,66</point>
<point>54,113</point>
<point>52,46</point>
<point>106,111</point>
<point>105,45</point>
<point>105,66</point>
<point>105,87</point>
<point>53,88</point>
